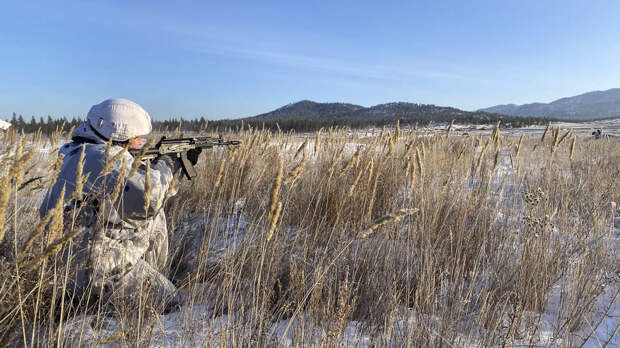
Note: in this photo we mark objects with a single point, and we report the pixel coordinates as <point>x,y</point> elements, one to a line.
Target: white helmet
<point>119,119</point>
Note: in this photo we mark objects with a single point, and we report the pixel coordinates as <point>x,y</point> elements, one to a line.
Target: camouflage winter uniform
<point>123,247</point>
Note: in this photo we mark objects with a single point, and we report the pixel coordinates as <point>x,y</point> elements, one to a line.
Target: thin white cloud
<point>329,65</point>
<point>231,41</point>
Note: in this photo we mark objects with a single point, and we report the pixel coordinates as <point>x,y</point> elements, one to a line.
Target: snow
<point>602,327</point>
<point>4,125</point>
<point>196,325</point>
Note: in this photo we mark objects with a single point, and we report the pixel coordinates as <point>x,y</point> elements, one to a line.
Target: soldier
<point>123,246</point>
<point>4,125</point>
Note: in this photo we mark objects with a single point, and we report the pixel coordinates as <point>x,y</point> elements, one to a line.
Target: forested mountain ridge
<point>309,110</point>
<point>587,106</point>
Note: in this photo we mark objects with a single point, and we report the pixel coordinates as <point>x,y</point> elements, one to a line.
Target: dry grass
<point>421,239</point>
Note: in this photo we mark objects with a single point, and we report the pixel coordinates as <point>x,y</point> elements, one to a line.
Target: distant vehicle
<point>4,125</point>
<point>597,134</point>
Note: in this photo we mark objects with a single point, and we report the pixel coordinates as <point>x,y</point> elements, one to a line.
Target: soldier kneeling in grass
<point>123,245</point>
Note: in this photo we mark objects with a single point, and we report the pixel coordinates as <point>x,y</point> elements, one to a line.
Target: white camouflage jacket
<point>122,245</point>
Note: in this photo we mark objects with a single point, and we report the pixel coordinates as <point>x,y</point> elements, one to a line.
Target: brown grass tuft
<point>275,189</point>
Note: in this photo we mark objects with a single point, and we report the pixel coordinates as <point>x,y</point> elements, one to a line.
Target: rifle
<point>178,148</point>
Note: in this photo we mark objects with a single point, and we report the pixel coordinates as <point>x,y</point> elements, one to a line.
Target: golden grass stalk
<point>398,129</point>
<point>275,189</point>
<point>446,184</point>
<point>391,147</point>
<point>274,221</point>
<point>542,139</point>
<point>14,175</point>
<point>37,231</point>
<point>177,131</point>
<point>266,145</point>
<point>496,138</point>
<point>495,164</point>
<point>233,155</point>
<point>495,130</point>
<point>17,169</point>
<point>107,152</point>
<point>295,172</point>
<point>352,162</point>
<point>253,142</point>
<point>355,182</point>
<point>519,146</point>
<point>496,160</point>
<point>56,224</point>
<point>572,147</point>
<point>20,149</point>
<point>17,158</point>
<point>119,181</point>
<point>408,149</point>
<point>478,141</point>
<point>70,132</point>
<point>335,161</point>
<point>556,135</point>
<point>412,169</point>
<point>203,126</point>
<point>301,149</point>
<point>482,153</point>
<point>147,188</point>
<point>55,137</point>
<point>563,137</point>
<point>56,169</point>
<point>172,186</point>
<point>449,128</point>
<point>12,136</point>
<point>118,336</point>
<point>370,167</point>
<point>420,163</point>
<point>79,179</point>
<point>394,217</point>
<point>5,194</point>
<point>108,166</point>
<point>51,249</point>
<point>373,192</point>
<point>317,142</point>
<point>138,160</point>
<point>220,173</point>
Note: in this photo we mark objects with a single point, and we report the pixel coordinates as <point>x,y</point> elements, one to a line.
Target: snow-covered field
<point>565,319</point>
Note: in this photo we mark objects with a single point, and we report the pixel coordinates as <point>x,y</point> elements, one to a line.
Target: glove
<point>172,163</point>
<point>193,154</point>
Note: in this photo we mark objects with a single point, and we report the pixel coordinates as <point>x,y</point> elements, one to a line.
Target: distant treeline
<point>316,124</point>
<point>46,125</point>
<point>49,125</point>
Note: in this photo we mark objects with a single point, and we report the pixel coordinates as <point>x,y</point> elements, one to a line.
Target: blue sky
<point>227,59</point>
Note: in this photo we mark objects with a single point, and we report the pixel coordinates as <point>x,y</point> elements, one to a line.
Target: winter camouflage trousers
<point>117,265</point>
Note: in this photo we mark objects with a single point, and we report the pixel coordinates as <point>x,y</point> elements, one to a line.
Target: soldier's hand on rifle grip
<point>173,163</point>
<point>193,154</point>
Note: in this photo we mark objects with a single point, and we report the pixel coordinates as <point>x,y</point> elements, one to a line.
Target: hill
<point>309,110</point>
<point>588,106</point>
